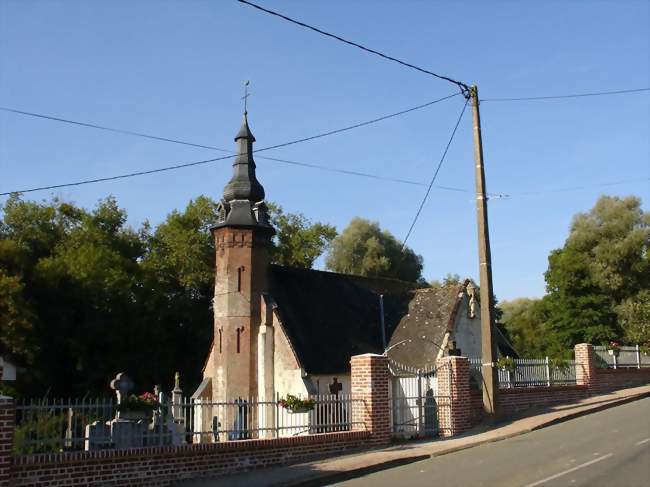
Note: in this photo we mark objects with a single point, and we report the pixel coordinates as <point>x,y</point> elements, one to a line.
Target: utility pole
<point>490,378</point>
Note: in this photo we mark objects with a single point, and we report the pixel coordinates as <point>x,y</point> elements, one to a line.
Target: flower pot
<point>130,415</point>
<point>299,410</point>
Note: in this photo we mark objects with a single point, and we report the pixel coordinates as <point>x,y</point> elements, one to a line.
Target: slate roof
<point>431,313</point>
<point>329,317</point>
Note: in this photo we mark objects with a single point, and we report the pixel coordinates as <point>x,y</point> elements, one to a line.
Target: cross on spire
<point>245,97</point>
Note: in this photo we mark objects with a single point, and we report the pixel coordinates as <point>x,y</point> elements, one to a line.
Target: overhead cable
<point>463,87</point>
<point>575,95</point>
<point>435,175</point>
<point>206,161</point>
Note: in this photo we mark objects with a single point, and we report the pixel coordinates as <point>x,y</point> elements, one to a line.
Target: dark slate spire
<point>243,197</point>
<point>244,185</point>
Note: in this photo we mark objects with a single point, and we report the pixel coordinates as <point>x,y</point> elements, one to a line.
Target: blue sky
<point>176,69</point>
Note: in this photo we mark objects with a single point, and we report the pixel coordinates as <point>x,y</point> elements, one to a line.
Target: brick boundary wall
<point>159,466</point>
<point>513,401</point>
<point>370,383</point>
<point>454,404</point>
<point>606,380</point>
<point>7,422</point>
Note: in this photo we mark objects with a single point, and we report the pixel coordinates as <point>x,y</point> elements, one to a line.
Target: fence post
<point>370,408</point>
<point>454,402</point>
<point>548,372</point>
<point>419,403</point>
<point>638,356</point>
<point>7,425</point>
<point>615,361</point>
<point>585,364</point>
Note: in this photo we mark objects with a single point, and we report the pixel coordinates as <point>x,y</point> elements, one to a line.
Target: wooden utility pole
<point>490,378</point>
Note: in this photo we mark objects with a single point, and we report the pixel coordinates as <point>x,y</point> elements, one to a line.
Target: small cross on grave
<point>335,387</point>
<point>122,385</point>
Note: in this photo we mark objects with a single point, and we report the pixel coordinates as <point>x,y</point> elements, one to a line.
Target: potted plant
<point>294,404</point>
<point>614,349</point>
<point>138,407</point>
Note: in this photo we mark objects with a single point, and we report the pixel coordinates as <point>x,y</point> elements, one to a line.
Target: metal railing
<point>210,421</point>
<point>56,425</point>
<point>629,357</point>
<point>53,425</point>
<point>530,373</point>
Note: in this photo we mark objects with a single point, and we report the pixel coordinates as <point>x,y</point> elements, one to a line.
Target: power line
<point>206,161</point>
<point>580,188</point>
<point>463,87</point>
<point>575,95</point>
<point>435,175</point>
<point>204,146</point>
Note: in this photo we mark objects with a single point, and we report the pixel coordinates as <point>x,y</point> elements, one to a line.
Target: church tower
<point>242,238</point>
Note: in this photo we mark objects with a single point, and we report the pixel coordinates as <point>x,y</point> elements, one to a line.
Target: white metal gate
<point>414,402</point>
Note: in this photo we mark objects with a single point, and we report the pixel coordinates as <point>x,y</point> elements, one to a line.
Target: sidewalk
<point>334,469</point>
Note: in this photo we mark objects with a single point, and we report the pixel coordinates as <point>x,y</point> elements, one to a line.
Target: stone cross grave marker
<point>122,385</point>
<point>335,387</point>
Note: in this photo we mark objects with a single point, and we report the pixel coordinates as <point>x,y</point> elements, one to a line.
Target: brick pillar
<point>454,401</point>
<point>585,364</point>
<point>370,400</point>
<point>7,419</point>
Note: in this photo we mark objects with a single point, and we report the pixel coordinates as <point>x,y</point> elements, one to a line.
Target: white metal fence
<point>55,425</point>
<point>530,373</point>
<point>208,421</point>
<point>623,357</point>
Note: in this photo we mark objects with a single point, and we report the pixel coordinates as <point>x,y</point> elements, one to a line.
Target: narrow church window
<point>239,332</point>
<point>220,340</point>
<point>239,272</point>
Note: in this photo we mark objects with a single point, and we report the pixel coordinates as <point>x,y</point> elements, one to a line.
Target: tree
<point>614,237</point>
<point>523,322</point>
<point>634,318</point>
<point>84,296</point>
<point>298,242</point>
<point>364,249</point>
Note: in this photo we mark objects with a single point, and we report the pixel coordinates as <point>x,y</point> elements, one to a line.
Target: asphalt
<point>608,448</point>
<point>336,469</point>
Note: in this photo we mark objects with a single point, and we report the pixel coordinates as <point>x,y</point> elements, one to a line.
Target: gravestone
<point>97,436</point>
<point>335,387</point>
<point>122,385</point>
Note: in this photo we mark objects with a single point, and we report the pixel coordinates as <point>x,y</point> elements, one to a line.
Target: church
<point>280,330</point>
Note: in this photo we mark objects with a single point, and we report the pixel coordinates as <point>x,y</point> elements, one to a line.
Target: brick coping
<point>542,389</point>
<point>188,450</point>
<point>622,370</point>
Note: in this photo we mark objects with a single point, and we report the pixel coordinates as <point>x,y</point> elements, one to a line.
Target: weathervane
<point>245,97</point>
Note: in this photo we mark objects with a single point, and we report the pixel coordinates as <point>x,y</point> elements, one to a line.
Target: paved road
<point>610,448</point>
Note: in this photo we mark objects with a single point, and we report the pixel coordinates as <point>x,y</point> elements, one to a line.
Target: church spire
<point>243,197</point>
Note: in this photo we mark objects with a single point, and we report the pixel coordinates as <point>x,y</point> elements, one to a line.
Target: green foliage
<point>523,322</point>
<point>597,284</point>
<point>365,250</point>
<point>507,363</point>
<point>41,432</point>
<point>83,296</point>
<point>298,242</point>
<point>295,404</point>
<point>634,318</point>
<point>449,280</point>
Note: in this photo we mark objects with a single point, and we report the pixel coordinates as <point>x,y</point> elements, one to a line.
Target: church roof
<point>330,317</point>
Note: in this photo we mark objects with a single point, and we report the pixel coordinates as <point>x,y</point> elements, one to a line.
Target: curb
<point>329,478</point>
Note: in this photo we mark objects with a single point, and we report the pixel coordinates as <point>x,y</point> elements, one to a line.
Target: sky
<point>176,69</point>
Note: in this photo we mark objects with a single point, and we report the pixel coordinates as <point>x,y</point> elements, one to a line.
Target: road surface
<point>610,448</point>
